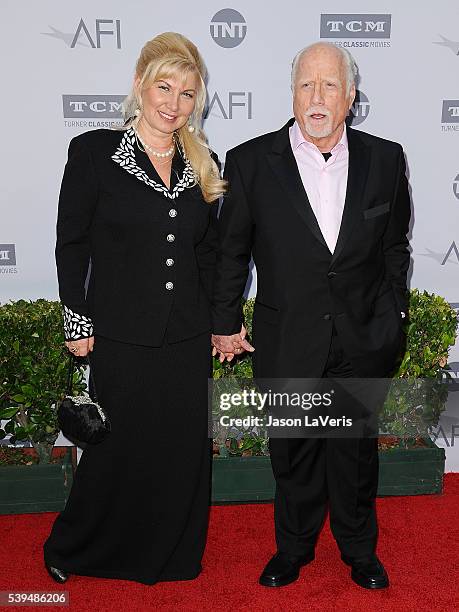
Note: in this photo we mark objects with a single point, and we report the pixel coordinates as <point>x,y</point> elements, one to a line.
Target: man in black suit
<point>324,210</point>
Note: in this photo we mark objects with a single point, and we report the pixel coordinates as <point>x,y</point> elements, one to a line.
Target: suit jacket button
<point>327,316</point>
<point>170,237</point>
<point>169,261</point>
<point>331,274</point>
<point>169,286</point>
<point>172,212</point>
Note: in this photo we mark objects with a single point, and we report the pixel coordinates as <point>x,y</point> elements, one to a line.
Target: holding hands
<point>229,346</point>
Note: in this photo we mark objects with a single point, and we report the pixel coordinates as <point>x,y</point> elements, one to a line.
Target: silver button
<point>170,237</point>
<point>172,212</point>
<point>169,262</point>
<point>169,286</point>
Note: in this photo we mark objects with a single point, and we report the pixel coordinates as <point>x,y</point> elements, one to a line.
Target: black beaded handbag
<point>81,419</point>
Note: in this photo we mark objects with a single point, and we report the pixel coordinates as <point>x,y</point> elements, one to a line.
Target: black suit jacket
<point>301,286</point>
<point>152,251</point>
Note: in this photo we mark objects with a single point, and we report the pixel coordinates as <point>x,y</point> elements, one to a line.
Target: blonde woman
<point>139,205</point>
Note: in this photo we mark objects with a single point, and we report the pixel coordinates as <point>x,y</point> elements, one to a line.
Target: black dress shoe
<point>57,574</point>
<point>367,572</point>
<point>283,569</point>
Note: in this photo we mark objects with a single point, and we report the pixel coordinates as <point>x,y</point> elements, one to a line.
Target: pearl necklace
<point>158,154</point>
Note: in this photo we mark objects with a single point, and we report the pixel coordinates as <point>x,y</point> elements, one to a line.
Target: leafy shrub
<point>431,330</point>
<point>411,408</point>
<point>33,367</point>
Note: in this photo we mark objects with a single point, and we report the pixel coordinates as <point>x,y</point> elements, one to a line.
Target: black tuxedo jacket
<point>301,286</point>
<point>152,250</point>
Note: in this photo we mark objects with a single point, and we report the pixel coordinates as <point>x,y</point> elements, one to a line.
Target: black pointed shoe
<point>283,569</point>
<point>57,574</point>
<point>367,572</point>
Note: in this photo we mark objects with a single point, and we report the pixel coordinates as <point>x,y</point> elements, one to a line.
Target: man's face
<point>320,99</point>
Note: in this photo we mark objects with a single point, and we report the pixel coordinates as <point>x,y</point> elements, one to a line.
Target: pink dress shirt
<point>324,181</point>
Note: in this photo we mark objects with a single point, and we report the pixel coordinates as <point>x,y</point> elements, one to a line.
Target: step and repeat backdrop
<point>66,68</point>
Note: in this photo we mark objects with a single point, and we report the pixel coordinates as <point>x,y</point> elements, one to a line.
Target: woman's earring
<point>190,127</point>
<point>137,112</point>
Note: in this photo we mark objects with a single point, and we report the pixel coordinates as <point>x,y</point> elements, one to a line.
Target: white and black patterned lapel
<point>125,157</point>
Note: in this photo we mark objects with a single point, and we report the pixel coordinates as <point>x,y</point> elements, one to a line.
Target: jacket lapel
<point>143,161</point>
<point>283,163</point>
<point>141,167</point>
<point>359,162</point>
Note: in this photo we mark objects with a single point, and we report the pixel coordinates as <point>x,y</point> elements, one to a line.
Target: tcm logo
<point>101,33</point>
<point>228,28</point>
<point>90,107</point>
<point>225,107</point>
<point>450,111</point>
<point>7,255</point>
<point>355,26</point>
<point>456,186</point>
<point>359,110</point>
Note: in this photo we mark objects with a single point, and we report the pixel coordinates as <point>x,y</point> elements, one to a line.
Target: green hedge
<point>33,366</point>
<point>34,360</point>
<point>431,331</point>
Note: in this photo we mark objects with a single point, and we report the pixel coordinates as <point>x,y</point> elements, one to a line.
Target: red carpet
<point>418,543</point>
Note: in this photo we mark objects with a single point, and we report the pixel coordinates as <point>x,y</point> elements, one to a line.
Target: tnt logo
<point>456,186</point>
<point>7,255</point>
<point>359,110</point>
<point>228,28</point>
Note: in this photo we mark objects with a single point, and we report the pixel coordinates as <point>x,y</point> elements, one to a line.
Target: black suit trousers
<point>313,472</point>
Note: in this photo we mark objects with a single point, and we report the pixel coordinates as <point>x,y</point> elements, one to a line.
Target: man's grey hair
<point>349,63</point>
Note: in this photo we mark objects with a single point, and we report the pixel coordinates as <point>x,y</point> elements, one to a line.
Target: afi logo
<point>82,30</point>
<point>7,255</point>
<point>224,106</point>
<point>94,35</point>
<point>90,107</point>
<point>452,249</point>
<point>450,44</point>
<point>355,26</point>
<point>456,186</point>
<point>359,110</point>
<point>228,28</point>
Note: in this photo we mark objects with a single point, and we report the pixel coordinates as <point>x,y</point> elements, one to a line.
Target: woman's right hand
<point>80,348</point>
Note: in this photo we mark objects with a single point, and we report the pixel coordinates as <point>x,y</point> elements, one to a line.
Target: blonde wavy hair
<point>170,54</point>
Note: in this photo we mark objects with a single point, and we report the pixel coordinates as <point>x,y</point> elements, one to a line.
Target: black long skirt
<point>138,507</point>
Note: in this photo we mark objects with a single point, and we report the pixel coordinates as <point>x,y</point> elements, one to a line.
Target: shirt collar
<point>297,139</point>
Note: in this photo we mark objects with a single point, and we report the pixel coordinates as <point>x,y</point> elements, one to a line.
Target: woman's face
<point>169,102</point>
